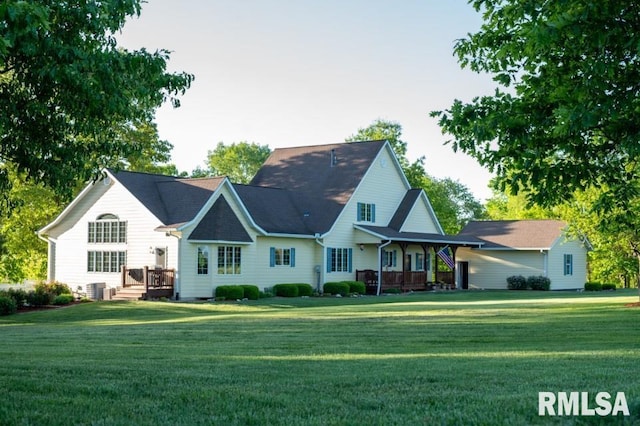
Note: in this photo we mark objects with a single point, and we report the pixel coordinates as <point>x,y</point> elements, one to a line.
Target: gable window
<point>282,257</point>
<point>568,264</point>
<point>339,259</point>
<point>107,228</point>
<point>106,261</point>
<point>229,260</point>
<point>366,212</point>
<point>203,261</point>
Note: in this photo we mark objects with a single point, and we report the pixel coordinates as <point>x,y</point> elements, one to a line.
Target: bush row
<point>344,288</point>
<point>43,294</point>
<point>596,286</point>
<point>534,282</point>
<point>235,292</point>
<point>292,290</point>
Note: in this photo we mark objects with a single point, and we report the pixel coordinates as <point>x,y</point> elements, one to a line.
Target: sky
<point>288,73</point>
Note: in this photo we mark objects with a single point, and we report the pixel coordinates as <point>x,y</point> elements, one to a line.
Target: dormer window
<point>366,212</point>
<point>107,228</point>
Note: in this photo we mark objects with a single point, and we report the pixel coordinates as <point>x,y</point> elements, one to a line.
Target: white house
<point>523,247</point>
<point>312,214</point>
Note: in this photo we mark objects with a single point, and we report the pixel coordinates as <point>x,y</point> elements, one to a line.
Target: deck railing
<point>402,280</point>
<point>157,282</point>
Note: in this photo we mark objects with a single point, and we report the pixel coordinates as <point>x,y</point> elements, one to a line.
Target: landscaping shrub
<point>17,294</point>
<point>341,288</point>
<point>609,286</point>
<point>39,297</point>
<point>251,292</point>
<point>63,299</point>
<point>516,282</point>
<point>7,305</point>
<point>286,290</point>
<point>592,286</point>
<point>539,282</point>
<point>392,291</point>
<point>229,292</point>
<point>305,290</point>
<point>54,287</point>
<point>356,287</point>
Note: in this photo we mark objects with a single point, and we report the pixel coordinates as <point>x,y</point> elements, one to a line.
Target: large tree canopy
<point>68,93</point>
<point>239,161</point>
<point>566,115</point>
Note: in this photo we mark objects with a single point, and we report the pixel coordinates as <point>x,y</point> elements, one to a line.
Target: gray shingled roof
<point>321,179</point>
<point>220,224</point>
<point>297,191</point>
<point>389,233</point>
<point>515,234</point>
<point>171,199</point>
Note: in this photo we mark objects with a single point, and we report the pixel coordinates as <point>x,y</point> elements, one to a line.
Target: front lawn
<point>458,358</point>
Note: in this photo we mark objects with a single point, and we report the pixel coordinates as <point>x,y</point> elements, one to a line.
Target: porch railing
<point>157,282</point>
<point>402,280</point>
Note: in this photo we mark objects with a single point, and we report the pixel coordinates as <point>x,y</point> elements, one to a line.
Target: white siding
<point>489,269</point>
<point>420,219</point>
<point>71,239</point>
<point>560,281</point>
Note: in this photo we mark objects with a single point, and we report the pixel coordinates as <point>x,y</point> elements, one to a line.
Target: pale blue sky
<point>301,72</point>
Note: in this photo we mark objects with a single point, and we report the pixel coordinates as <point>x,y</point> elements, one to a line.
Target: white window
<point>282,257</point>
<point>568,264</point>
<point>366,212</point>
<point>419,262</point>
<point>106,261</point>
<point>107,229</point>
<point>203,261</point>
<point>229,260</point>
<point>339,259</point>
<point>390,258</point>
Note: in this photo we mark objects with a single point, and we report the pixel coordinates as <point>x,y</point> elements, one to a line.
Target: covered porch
<point>407,275</point>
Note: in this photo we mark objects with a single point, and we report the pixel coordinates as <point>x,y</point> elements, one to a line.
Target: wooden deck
<point>157,282</point>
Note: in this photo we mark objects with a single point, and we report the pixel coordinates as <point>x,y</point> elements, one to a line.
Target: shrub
<point>63,299</point>
<point>7,305</point>
<point>54,287</point>
<point>229,292</point>
<point>341,288</point>
<point>392,291</point>
<point>251,292</point>
<point>286,290</point>
<point>356,287</point>
<point>539,282</point>
<point>609,286</point>
<point>39,297</point>
<point>516,282</point>
<point>19,295</point>
<point>592,286</point>
<point>305,290</point>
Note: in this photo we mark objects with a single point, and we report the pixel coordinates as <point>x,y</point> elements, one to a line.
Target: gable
<point>415,214</point>
<point>220,223</point>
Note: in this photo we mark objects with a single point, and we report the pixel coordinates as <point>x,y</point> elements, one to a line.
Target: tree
<point>564,115</point>
<point>153,155</point>
<point>69,94</point>
<point>453,203</point>
<point>239,161</point>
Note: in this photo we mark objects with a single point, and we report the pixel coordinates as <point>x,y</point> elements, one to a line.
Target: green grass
<point>450,358</point>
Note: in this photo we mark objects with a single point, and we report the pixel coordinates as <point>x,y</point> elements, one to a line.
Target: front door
<point>161,257</point>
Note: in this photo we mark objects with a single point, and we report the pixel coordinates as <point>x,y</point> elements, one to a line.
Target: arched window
<point>107,228</point>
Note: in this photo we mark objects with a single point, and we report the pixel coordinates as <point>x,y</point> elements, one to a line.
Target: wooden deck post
<point>145,278</point>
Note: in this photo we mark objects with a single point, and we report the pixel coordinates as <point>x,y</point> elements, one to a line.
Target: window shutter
<point>373,213</point>
<point>328,259</point>
<point>359,214</point>
<point>350,259</point>
<point>293,257</point>
<point>272,257</point>
<point>395,258</point>
<point>418,265</point>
